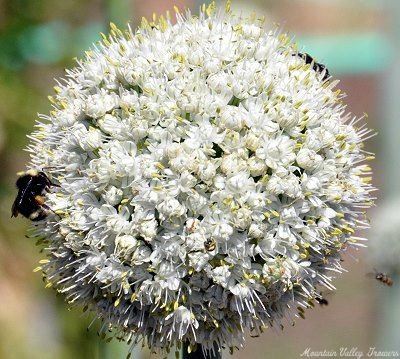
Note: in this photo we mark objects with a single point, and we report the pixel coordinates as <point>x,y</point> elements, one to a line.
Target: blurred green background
<point>357,40</point>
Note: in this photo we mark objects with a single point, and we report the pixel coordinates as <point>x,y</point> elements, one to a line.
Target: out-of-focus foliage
<point>27,37</point>
<point>37,39</point>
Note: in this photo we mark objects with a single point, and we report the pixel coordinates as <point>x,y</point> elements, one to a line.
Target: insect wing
<point>14,208</point>
<point>24,191</point>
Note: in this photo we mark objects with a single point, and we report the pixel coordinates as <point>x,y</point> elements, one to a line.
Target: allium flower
<point>209,181</point>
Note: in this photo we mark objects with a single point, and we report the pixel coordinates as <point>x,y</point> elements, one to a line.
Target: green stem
<point>102,354</point>
<point>198,353</point>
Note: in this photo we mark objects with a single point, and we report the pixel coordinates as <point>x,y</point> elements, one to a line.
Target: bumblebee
<point>29,202</point>
<point>316,66</point>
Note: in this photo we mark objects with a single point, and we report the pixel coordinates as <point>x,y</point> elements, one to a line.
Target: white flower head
<point>208,180</point>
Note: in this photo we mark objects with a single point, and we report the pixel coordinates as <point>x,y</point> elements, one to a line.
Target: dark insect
<point>381,277</point>
<point>316,66</point>
<point>210,244</point>
<point>322,301</point>
<point>30,198</point>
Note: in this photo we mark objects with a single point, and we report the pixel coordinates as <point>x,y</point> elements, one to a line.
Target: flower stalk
<point>199,353</point>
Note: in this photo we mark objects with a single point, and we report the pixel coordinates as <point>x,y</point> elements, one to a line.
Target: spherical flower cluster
<point>209,181</point>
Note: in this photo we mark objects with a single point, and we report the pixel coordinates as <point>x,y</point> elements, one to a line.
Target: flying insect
<point>384,278</point>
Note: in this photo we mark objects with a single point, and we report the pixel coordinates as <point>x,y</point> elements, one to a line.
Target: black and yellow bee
<point>29,202</point>
<point>316,66</point>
